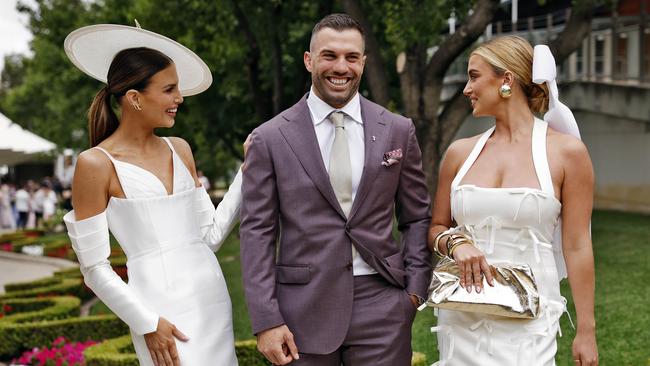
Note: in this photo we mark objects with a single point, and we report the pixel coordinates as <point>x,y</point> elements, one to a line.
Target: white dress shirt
<point>319,111</point>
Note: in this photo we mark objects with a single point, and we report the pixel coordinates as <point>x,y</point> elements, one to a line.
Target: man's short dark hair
<point>338,22</point>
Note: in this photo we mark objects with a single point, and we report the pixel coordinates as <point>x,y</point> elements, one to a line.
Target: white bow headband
<point>559,116</point>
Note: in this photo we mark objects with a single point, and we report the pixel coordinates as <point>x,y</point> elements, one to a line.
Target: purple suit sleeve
<point>258,231</point>
<point>413,217</point>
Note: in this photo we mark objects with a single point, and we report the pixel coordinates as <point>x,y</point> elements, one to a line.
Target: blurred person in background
<point>22,199</point>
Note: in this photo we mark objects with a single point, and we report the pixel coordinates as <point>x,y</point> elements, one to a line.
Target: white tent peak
<point>18,145</point>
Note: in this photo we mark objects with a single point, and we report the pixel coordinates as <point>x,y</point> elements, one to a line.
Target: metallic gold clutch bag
<point>514,294</point>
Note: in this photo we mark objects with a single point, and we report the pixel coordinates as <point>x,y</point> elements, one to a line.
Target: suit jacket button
<point>349,266</point>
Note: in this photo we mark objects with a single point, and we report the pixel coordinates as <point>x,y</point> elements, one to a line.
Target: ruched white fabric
<point>510,225</point>
<point>172,270</point>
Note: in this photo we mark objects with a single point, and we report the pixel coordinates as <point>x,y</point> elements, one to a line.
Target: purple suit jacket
<point>295,240</point>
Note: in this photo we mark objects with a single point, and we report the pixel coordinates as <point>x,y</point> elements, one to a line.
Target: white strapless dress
<point>514,225</point>
<point>173,273</point>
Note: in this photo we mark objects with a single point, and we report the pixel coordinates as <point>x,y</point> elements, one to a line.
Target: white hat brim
<point>93,48</point>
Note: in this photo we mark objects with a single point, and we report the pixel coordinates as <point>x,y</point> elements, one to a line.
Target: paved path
<point>15,267</point>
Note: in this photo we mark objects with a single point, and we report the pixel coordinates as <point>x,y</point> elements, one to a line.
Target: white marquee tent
<point>18,145</point>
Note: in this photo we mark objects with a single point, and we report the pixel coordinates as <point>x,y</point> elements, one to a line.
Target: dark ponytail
<point>102,121</point>
<point>131,68</point>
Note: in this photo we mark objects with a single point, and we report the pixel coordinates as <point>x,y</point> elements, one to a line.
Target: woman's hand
<point>473,266</point>
<point>161,344</point>
<point>585,351</point>
<point>247,144</point>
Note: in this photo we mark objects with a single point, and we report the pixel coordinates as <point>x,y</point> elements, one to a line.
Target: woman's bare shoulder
<point>93,162</point>
<point>460,149</point>
<point>567,147</point>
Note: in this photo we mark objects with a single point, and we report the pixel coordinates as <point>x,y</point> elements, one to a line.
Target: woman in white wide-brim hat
<point>510,189</point>
<point>145,190</point>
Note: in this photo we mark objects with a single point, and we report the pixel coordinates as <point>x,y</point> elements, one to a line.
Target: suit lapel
<point>301,137</point>
<point>375,132</point>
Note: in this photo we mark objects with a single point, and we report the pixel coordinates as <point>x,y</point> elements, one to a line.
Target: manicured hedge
<point>113,352</point>
<point>66,286</point>
<point>72,272</point>
<point>18,235</point>
<point>35,309</point>
<point>119,352</point>
<point>41,282</point>
<point>418,359</point>
<point>16,338</point>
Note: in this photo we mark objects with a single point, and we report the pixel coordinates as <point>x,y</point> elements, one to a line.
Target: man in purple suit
<point>325,281</point>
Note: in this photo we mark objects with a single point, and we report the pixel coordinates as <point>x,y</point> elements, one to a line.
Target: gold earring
<point>136,106</point>
<point>505,91</point>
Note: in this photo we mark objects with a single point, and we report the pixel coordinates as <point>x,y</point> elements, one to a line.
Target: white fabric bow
<point>559,116</point>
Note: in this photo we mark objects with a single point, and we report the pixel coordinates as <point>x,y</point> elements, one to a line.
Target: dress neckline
<point>540,162</point>
<point>146,171</point>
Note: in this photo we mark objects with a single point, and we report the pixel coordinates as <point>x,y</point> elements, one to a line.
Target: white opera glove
<point>217,223</point>
<point>90,242</point>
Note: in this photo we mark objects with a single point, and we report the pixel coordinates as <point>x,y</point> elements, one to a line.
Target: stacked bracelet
<point>436,248</point>
<point>456,240</point>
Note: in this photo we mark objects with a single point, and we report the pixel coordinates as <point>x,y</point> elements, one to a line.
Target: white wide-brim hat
<point>93,48</point>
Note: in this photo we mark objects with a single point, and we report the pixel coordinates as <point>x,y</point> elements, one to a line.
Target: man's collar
<point>320,110</point>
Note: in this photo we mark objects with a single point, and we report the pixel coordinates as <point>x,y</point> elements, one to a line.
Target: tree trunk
<point>441,126</point>
<point>252,63</point>
<point>276,58</point>
<point>576,29</point>
<point>375,69</point>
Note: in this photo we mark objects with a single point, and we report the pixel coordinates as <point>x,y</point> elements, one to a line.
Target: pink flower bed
<point>62,353</point>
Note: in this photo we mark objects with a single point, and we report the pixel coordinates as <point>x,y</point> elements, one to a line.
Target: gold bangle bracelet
<point>455,238</point>
<point>436,249</point>
<point>456,245</point>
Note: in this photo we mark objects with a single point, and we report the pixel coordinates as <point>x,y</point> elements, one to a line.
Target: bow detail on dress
<point>485,335</point>
<point>448,331</point>
<point>535,194</point>
<point>492,224</point>
<point>528,231</point>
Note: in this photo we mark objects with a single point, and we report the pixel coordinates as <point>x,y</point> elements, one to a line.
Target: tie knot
<point>337,119</point>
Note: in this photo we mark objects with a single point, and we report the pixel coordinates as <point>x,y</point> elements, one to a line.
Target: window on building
<point>620,65</point>
<point>599,56</point>
<point>579,61</point>
<point>646,54</point>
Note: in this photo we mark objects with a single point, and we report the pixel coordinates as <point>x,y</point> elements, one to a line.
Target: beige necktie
<point>340,168</point>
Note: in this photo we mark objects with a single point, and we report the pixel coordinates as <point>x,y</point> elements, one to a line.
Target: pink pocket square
<point>392,157</point>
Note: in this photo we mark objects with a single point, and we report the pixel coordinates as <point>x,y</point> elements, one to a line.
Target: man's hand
<point>414,300</point>
<point>277,345</point>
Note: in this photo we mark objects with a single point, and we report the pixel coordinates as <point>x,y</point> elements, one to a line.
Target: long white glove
<point>90,242</point>
<point>217,224</point>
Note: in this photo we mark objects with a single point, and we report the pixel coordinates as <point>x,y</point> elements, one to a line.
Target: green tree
<point>254,50</point>
<point>424,52</point>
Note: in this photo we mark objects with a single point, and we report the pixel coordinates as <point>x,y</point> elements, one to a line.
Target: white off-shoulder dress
<point>513,225</point>
<point>173,273</point>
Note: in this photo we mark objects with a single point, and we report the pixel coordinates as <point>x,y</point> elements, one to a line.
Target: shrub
<point>41,282</point>
<point>72,272</point>
<point>16,338</point>
<point>113,352</point>
<point>65,286</point>
<point>119,352</point>
<point>34,309</point>
<point>61,353</point>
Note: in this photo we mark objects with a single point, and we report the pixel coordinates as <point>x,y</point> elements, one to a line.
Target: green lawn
<point>621,245</point>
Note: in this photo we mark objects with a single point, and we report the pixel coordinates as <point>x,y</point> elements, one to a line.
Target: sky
<point>14,36</point>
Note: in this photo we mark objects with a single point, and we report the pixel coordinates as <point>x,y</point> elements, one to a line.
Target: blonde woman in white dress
<point>145,190</point>
<point>510,187</point>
